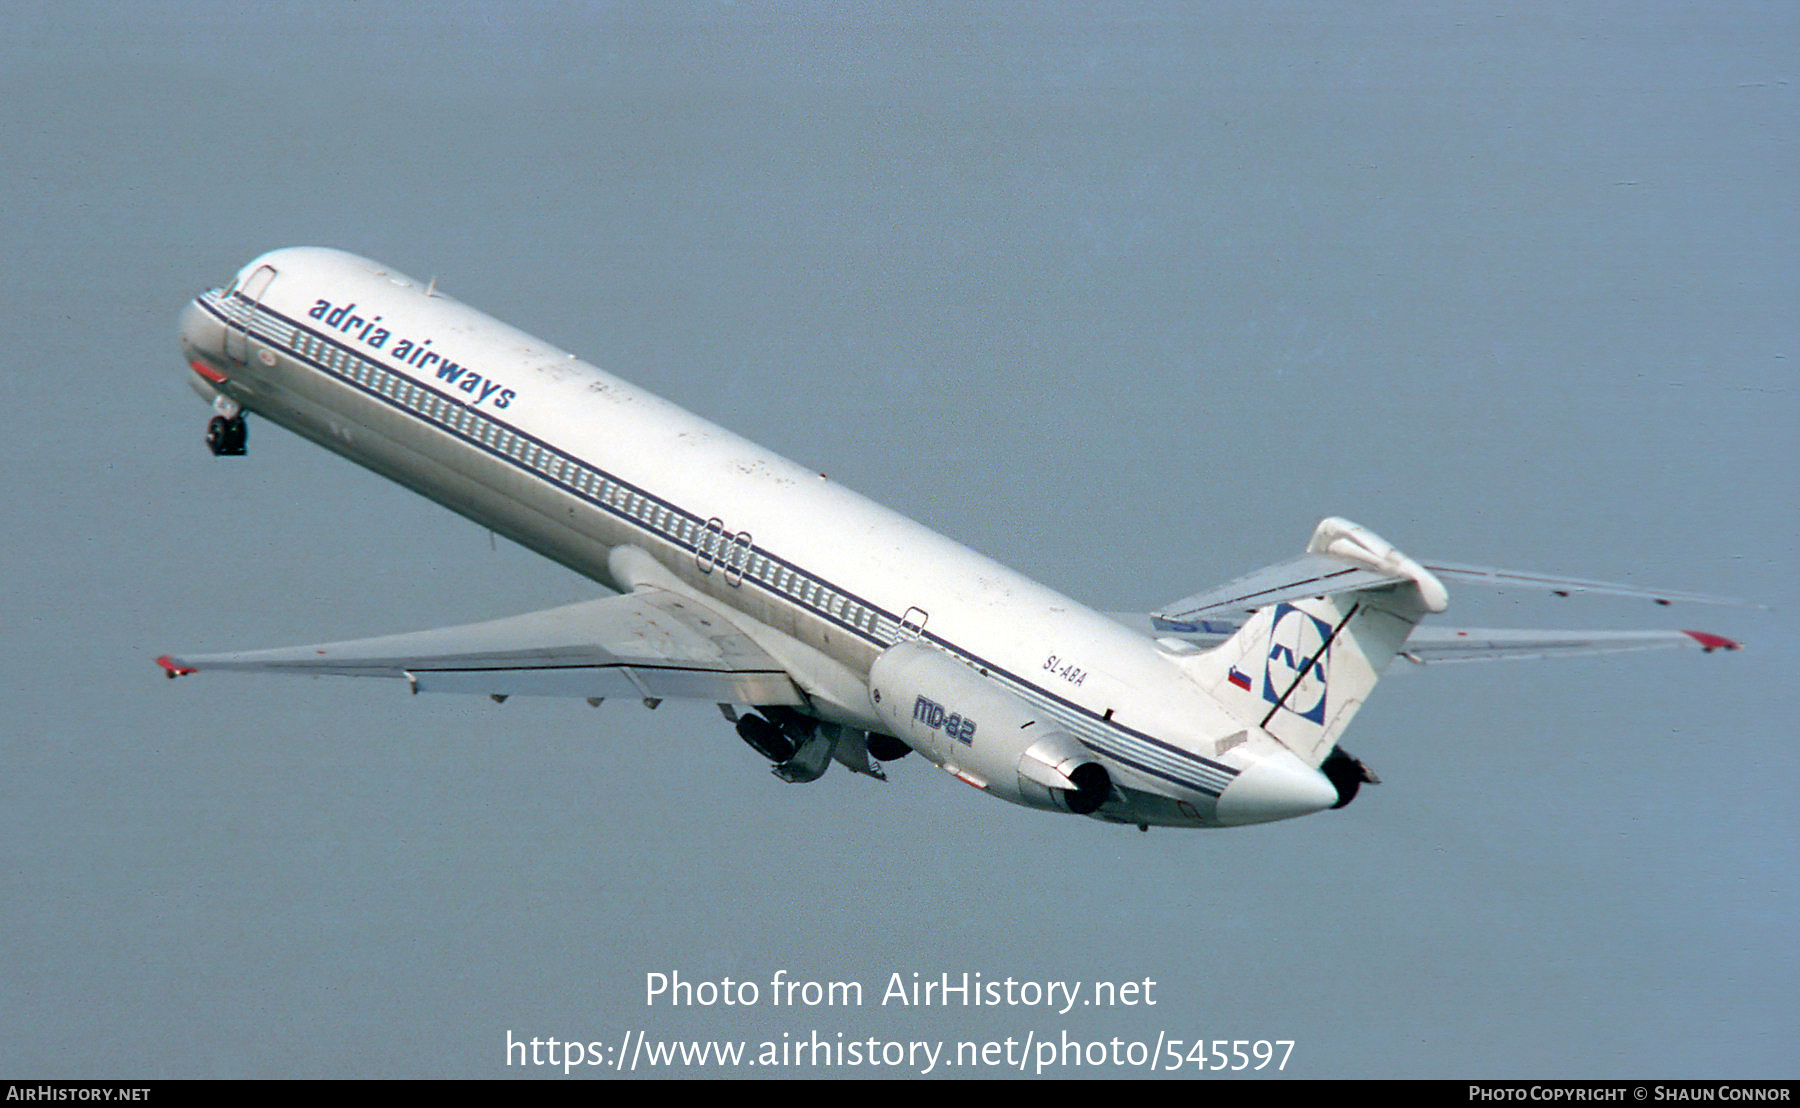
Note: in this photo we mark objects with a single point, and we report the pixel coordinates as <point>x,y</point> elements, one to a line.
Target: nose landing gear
<point>226,437</point>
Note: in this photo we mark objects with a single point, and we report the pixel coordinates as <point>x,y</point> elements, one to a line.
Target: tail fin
<point>1302,666</point>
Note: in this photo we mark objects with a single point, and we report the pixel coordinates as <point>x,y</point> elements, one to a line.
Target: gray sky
<point>1127,296</point>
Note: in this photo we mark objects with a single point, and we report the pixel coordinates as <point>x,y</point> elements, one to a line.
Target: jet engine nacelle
<point>972,727</point>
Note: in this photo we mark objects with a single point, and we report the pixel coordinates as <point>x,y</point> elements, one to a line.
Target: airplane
<point>827,628</point>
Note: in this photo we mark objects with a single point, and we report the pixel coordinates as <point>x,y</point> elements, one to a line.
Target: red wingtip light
<point>1710,642</point>
<point>170,669</point>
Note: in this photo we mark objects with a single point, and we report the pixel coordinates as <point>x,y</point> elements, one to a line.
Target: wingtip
<point>1710,642</point>
<point>171,669</point>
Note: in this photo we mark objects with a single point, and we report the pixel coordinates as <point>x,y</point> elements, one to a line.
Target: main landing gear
<point>801,746</point>
<point>225,437</point>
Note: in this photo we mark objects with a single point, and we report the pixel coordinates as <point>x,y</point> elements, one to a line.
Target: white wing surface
<point>650,643</point>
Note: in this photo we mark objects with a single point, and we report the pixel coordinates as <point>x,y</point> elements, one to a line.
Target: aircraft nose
<point>1276,786</point>
<point>200,332</point>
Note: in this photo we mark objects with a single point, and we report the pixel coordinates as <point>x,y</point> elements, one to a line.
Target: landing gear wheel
<point>226,437</point>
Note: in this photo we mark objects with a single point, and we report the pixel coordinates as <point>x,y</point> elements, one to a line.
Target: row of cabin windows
<point>676,526</point>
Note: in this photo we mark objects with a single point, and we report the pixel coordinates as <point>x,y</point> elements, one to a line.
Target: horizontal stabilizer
<point>1344,558</point>
<point>1431,645</point>
<point>648,644</point>
<point>1307,575</point>
<point>1569,586</point>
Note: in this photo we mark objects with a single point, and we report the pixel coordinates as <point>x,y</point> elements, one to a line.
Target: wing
<point>650,643</point>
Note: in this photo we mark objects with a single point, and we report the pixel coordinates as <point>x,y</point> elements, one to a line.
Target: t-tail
<point>1328,625</point>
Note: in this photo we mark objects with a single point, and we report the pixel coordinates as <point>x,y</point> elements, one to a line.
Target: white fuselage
<point>578,465</point>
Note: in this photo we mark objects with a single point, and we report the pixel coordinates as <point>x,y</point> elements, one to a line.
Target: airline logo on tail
<point>1295,640</point>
